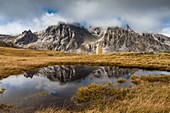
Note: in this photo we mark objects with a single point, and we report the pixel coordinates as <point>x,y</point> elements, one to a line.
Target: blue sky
<point>50,11</point>
<point>142,15</point>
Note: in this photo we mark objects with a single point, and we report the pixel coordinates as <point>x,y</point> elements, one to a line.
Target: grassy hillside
<point>15,61</point>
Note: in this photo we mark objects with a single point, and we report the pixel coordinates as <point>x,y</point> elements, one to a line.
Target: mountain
<point>75,38</point>
<point>120,40</point>
<point>6,40</point>
<point>25,39</point>
<point>3,44</point>
<point>64,37</point>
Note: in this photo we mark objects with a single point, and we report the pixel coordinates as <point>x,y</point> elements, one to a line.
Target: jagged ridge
<point>75,38</point>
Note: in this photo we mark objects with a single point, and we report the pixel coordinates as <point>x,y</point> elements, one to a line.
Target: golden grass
<point>142,99</point>
<point>16,61</point>
<point>6,107</point>
<point>52,110</point>
<point>151,78</point>
<point>121,80</point>
<point>98,91</point>
<point>148,97</point>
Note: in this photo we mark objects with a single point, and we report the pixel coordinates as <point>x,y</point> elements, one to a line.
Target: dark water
<point>56,85</point>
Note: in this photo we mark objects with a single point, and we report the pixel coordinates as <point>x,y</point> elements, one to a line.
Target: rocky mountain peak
<point>27,32</point>
<point>98,31</point>
<point>129,28</point>
<point>25,38</point>
<point>64,37</point>
<point>75,38</point>
<point>120,40</point>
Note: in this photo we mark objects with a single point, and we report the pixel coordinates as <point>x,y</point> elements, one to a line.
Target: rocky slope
<point>26,38</point>
<point>121,40</point>
<point>75,38</point>
<point>6,40</point>
<point>64,37</point>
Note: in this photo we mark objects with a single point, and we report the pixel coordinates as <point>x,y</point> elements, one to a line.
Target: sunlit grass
<point>151,78</point>
<point>121,80</point>
<point>98,91</point>
<point>152,96</point>
<point>16,61</point>
<point>6,107</point>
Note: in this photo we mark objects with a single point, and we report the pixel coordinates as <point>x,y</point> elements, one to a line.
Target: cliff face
<point>26,38</point>
<point>64,37</point>
<point>75,38</point>
<point>6,40</point>
<point>120,40</point>
<point>3,44</point>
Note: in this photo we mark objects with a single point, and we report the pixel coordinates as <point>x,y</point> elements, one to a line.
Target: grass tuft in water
<point>133,77</point>
<point>98,91</point>
<point>151,96</point>
<point>121,80</point>
<point>2,90</point>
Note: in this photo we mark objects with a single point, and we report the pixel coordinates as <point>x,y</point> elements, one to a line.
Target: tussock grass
<point>15,61</point>
<point>136,81</point>
<point>52,110</point>
<point>151,78</point>
<point>133,77</point>
<point>98,91</point>
<point>121,80</point>
<point>148,97</point>
<point>6,107</point>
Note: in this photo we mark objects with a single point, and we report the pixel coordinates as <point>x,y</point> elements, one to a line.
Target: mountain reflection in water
<point>60,83</point>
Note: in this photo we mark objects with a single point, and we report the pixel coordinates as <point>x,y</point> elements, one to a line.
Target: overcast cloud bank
<point>141,15</point>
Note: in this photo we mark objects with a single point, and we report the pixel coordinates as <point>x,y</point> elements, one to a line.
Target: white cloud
<point>142,15</point>
<point>36,24</point>
<point>46,20</point>
<point>146,23</point>
<point>12,28</point>
<point>104,23</point>
<point>166,31</point>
